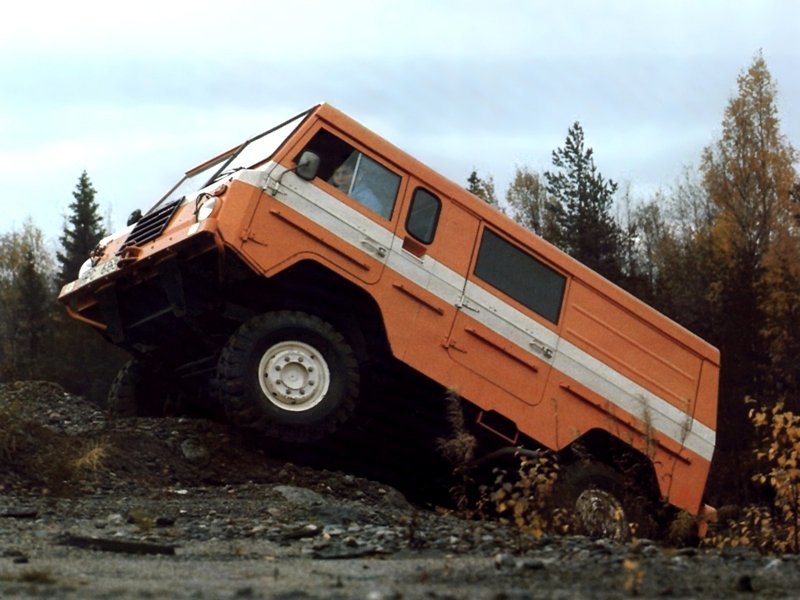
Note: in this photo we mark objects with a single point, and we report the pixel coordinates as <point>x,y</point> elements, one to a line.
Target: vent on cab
<point>150,226</point>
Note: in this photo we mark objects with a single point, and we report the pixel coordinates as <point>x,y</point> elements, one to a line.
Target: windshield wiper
<point>224,173</point>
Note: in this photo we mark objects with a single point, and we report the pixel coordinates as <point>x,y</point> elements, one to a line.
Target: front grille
<point>150,226</point>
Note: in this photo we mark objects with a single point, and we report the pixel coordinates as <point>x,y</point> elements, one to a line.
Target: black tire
<point>138,391</point>
<point>290,376</point>
<point>599,504</point>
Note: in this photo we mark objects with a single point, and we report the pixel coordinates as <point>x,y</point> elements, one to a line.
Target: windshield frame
<point>224,163</point>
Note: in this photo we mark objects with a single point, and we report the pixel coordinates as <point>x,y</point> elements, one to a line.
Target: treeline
<point>719,252</point>
<point>37,338</point>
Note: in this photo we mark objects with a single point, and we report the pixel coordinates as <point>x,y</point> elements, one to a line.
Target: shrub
<point>775,527</point>
<point>459,450</point>
<point>780,445</point>
<point>13,431</point>
<point>38,455</point>
<point>524,498</point>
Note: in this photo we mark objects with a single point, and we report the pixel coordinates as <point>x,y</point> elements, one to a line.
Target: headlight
<point>206,208</point>
<point>85,267</point>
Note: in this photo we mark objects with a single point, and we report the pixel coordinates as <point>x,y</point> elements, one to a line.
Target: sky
<point>137,93</point>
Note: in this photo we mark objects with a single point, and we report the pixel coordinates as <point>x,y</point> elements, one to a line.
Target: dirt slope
<point>92,507</point>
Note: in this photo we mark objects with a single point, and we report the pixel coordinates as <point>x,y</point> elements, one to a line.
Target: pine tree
<point>83,231</point>
<point>87,362</point>
<point>483,188</point>
<point>581,208</point>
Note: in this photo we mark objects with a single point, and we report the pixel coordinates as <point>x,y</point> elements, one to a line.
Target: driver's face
<point>341,177</point>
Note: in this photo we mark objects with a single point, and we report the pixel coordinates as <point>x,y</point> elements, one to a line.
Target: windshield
<point>255,150</point>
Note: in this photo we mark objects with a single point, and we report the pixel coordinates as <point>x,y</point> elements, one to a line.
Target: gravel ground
<point>148,508</point>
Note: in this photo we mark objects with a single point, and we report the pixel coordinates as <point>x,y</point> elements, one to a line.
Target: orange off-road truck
<point>277,272</point>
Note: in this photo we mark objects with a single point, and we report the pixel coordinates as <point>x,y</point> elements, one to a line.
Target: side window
<point>517,274</point>
<point>423,216</point>
<point>355,173</point>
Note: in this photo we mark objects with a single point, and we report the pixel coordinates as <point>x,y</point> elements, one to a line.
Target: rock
<point>745,584</point>
<point>195,452</point>
<point>532,564</point>
<point>384,595</point>
<point>504,561</point>
<point>115,545</point>
<point>604,546</point>
<point>392,498</point>
<point>302,497</point>
<point>774,564</point>
<point>165,521</point>
<point>298,532</point>
<point>20,513</point>
<point>331,552</point>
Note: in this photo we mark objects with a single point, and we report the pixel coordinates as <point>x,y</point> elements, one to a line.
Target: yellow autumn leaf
<point>630,565</point>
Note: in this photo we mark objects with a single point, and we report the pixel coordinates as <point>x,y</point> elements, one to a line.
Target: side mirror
<point>307,166</point>
<point>134,217</point>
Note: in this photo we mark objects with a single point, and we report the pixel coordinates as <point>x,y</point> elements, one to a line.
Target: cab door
<point>505,328</point>
<point>424,279</point>
<point>346,221</point>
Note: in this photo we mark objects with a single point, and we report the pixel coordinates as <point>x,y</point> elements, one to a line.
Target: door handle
<point>465,304</point>
<point>540,347</point>
<point>374,247</point>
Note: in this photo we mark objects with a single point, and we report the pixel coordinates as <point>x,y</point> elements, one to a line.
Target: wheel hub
<point>294,376</point>
<point>601,514</point>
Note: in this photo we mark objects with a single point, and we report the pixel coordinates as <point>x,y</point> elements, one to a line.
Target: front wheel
<point>139,390</point>
<point>289,375</point>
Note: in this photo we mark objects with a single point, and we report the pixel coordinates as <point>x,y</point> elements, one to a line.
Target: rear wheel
<point>289,375</point>
<point>600,503</point>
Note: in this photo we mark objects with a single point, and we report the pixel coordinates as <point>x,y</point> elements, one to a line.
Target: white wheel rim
<point>294,376</point>
<point>601,514</point>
